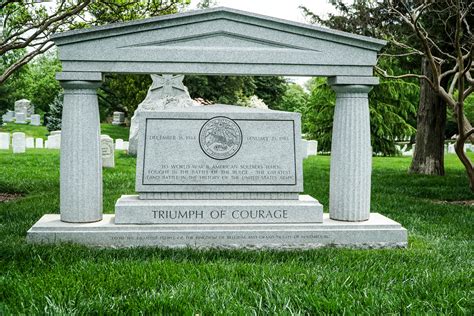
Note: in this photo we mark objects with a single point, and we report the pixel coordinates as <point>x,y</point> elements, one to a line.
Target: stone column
<point>351,155</point>
<point>81,163</point>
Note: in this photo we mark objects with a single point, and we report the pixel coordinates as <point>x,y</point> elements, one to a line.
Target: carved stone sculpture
<point>166,92</point>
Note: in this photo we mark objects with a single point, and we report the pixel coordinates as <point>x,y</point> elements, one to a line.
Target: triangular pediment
<point>220,40</point>
<point>216,41</point>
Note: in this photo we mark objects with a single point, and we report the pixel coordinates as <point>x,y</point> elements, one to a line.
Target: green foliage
<point>294,99</point>
<point>35,82</point>
<point>451,124</point>
<point>115,131</point>
<point>16,87</point>
<point>391,105</point>
<point>220,89</point>
<point>122,93</point>
<point>204,4</point>
<point>319,112</point>
<point>54,116</point>
<point>236,89</point>
<point>112,11</point>
<point>270,89</point>
<point>433,276</point>
<point>42,86</point>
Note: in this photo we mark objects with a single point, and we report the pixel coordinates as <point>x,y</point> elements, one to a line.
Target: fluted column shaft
<point>81,164</point>
<point>351,155</point>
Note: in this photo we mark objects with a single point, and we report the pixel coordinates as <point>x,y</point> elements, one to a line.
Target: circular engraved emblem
<point>220,138</point>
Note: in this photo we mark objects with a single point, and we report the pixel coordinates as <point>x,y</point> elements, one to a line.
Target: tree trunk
<point>428,157</point>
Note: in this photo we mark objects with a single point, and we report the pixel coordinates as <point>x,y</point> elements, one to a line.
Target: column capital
<point>79,76</point>
<point>80,85</point>
<point>353,80</point>
<point>351,89</point>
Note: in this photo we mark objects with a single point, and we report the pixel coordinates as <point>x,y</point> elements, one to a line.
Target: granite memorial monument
<point>179,200</point>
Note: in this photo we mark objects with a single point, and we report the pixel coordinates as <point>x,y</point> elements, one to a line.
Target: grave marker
<point>107,150</point>
<point>20,118</point>
<point>30,142</point>
<point>4,140</point>
<point>24,106</point>
<point>118,118</point>
<point>18,142</point>
<point>35,120</point>
<point>39,143</point>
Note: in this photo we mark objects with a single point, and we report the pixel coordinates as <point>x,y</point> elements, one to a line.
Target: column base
<point>377,232</point>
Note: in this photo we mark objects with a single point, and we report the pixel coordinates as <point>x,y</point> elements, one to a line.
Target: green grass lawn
<point>113,131</point>
<point>434,275</point>
<point>29,130</point>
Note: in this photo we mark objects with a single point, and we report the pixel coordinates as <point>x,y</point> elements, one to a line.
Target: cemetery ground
<point>434,275</point>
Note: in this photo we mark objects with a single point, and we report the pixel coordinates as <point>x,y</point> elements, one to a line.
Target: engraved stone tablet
<point>219,148</point>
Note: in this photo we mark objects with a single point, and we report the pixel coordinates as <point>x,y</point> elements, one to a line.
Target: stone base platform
<point>378,232</point>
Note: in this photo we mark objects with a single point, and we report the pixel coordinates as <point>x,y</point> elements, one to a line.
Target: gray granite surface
<point>219,148</point>
<point>131,210</point>
<point>378,232</point>
<point>217,41</point>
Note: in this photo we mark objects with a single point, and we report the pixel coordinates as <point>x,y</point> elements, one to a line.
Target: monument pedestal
<point>222,177</point>
<point>377,232</point>
<point>129,209</point>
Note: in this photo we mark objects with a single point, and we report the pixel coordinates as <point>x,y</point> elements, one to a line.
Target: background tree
<point>17,87</point>
<point>42,86</point>
<point>270,89</point>
<point>392,112</point>
<point>29,24</point>
<point>55,112</point>
<point>391,105</point>
<point>404,53</point>
<point>454,67</point>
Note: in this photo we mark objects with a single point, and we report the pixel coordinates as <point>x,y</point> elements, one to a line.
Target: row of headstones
<point>20,142</point>
<point>448,149</point>
<point>21,118</point>
<point>309,148</point>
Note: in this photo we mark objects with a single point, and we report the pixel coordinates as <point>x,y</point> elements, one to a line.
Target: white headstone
<point>20,118</point>
<point>39,143</point>
<point>406,152</point>
<point>54,141</point>
<point>18,142</point>
<point>46,144</point>
<point>24,106</point>
<point>312,148</point>
<point>4,140</point>
<point>55,133</point>
<point>107,149</point>
<point>119,144</point>
<point>30,142</point>
<point>125,145</point>
<point>9,116</point>
<point>35,120</point>
<point>451,149</point>
<point>118,118</point>
<point>304,148</point>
